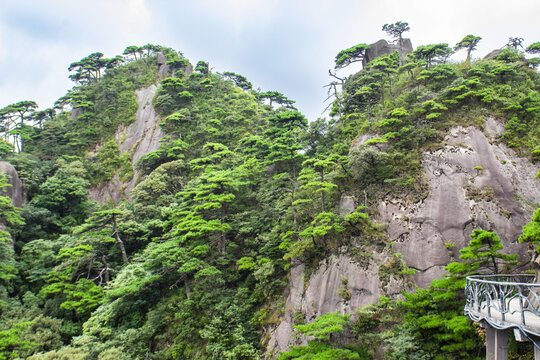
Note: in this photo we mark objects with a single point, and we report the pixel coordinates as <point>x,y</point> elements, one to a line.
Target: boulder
<point>161,59</point>
<point>382,47</point>
<point>346,205</point>
<point>163,68</point>
<point>16,190</point>
<point>75,113</point>
<point>493,54</point>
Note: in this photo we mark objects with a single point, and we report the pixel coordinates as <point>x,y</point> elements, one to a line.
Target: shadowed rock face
<point>139,138</point>
<point>16,190</point>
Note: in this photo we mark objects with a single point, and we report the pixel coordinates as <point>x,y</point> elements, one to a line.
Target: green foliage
<point>350,55</point>
<point>10,342</point>
<point>482,254</point>
<point>241,188</point>
<point>435,53</point>
<point>238,80</point>
<point>109,160</point>
<point>62,197</point>
<point>369,165</point>
<point>469,42</point>
<point>202,67</point>
<point>78,294</point>
<point>433,317</point>
<point>320,348</point>
<point>515,43</point>
<point>534,48</point>
<point>12,122</point>
<point>531,231</point>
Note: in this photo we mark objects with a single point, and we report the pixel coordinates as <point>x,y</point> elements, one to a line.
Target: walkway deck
<point>504,301</point>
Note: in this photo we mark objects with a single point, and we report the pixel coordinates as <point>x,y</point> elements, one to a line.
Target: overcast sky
<point>283,45</point>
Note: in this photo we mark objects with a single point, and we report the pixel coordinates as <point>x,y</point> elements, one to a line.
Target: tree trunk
<point>322,192</point>
<point>382,93</point>
<point>293,180</point>
<point>119,241</point>
<point>188,289</point>
<point>400,50</point>
<point>106,269</point>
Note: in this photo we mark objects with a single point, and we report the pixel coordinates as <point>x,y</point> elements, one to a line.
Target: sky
<point>282,45</point>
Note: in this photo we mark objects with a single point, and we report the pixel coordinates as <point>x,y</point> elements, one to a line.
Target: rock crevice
<point>137,139</point>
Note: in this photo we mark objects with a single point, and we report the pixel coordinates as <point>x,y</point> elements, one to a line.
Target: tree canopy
<point>348,56</point>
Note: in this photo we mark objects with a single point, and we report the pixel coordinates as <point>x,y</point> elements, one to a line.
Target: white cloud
<point>239,15</point>
<point>287,45</point>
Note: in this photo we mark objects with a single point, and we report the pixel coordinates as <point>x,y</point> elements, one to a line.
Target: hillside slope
<point>175,213</point>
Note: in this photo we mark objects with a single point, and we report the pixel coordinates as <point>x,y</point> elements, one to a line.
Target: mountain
<point>173,212</point>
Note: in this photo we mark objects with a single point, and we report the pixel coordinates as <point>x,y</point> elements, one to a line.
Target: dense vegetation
<point>194,265</point>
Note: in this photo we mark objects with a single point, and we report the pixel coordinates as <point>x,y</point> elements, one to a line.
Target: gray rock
<point>75,113</point>
<point>493,54</point>
<point>163,68</point>
<point>16,191</point>
<point>161,59</point>
<point>362,139</point>
<point>323,292</point>
<point>346,205</point>
<point>462,199</point>
<point>382,47</point>
<point>189,69</point>
<point>280,337</point>
<point>139,138</point>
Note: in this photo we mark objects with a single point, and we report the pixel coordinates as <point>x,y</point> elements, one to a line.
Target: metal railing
<point>504,301</point>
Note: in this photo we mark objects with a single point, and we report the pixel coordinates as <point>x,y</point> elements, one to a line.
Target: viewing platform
<point>503,302</point>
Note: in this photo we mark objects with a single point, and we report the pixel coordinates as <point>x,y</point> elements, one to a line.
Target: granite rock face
<point>493,54</point>
<point>473,183</point>
<point>341,283</point>
<point>76,112</point>
<point>16,190</point>
<point>346,205</point>
<point>382,47</point>
<point>139,138</point>
<point>163,68</point>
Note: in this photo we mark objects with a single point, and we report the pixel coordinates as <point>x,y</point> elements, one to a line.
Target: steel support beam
<point>496,344</point>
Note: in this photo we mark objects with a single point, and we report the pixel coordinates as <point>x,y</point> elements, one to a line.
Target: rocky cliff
<point>382,47</point>
<point>138,139</point>
<point>16,190</point>
<point>473,182</point>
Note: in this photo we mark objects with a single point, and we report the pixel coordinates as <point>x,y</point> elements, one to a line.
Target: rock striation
<point>473,182</point>
<point>341,284</point>
<point>138,139</point>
